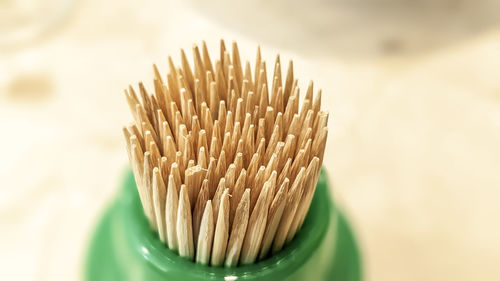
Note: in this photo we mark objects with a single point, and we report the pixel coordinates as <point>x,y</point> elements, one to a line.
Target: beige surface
<point>413,151</point>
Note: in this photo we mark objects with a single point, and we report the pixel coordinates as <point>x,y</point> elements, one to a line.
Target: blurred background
<point>413,87</point>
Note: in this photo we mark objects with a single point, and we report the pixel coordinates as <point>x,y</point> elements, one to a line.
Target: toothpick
<point>238,230</point>
<point>159,198</point>
<point>147,190</point>
<point>198,210</point>
<point>206,235</point>
<point>221,231</point>
<point>171,208</point>
<point>256,226</point>
<point>308,192</point>
<point>275,213</point>
<point>184,225</point>
<point>294,196</point>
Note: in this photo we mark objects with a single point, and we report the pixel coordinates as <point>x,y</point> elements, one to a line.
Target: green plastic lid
<point>125,248</point>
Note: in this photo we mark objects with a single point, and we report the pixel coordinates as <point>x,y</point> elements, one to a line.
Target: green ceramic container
<point>124,248</point>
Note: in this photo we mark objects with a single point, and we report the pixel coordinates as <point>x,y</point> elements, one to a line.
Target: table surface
<point>413,150</point>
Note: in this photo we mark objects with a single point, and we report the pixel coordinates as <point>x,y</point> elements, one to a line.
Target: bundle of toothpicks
<point>225,163</point>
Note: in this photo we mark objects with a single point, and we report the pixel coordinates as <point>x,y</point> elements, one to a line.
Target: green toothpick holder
<point>124,248</point>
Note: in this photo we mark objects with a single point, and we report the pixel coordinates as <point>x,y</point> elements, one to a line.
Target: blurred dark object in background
<point>356,28</point>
